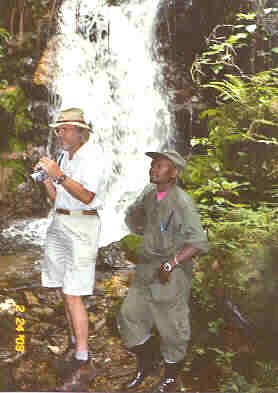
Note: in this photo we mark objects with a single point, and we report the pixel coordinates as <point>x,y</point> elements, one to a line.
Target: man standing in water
<point>76,188</point>
<point>160,290</point>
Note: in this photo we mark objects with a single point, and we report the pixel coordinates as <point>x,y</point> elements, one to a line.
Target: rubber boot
<point>147,358</point>
<point>170,380</point>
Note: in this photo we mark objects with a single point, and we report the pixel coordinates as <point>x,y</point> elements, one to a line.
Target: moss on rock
<point>130,244</point>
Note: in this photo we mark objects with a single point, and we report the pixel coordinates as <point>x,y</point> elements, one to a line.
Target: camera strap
<point>60,158</point>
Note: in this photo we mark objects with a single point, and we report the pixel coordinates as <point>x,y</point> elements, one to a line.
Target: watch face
<point>167,267</point>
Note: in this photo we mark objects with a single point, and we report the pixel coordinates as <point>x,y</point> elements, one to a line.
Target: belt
<point>77,212</point>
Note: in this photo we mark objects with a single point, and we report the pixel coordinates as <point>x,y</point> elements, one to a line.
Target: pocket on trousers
<point>169,292</point>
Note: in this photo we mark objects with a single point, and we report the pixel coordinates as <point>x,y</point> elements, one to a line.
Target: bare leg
<point>79,371</point>
<point>79,317</point>
<point>68,316</point>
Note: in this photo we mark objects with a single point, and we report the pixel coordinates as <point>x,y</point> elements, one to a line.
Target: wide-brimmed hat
<point>73,116</point>
<point>172,155</point>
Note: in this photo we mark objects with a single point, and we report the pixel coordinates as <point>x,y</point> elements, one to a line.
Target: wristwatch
<point>60,179</point>
<point>167,267</point>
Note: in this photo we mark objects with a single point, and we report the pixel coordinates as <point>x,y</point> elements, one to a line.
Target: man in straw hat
<point>160,289</point>
<point>76,188</point>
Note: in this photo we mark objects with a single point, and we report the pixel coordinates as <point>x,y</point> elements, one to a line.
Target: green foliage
<point>232,381</point>
<point>235,186</point>
<point>15,145</point>
<point>267,375</point>
<point>223,359</point>
<point>18,175</point>
<point>235,183</point>
<point>240,167</point>
<point>215,326</point>
<point>13,100</point>
<point>235,237</point>
<point>225,41</point>
<point>4,36</point>
<point>130,244</point>
<point>131,241</point>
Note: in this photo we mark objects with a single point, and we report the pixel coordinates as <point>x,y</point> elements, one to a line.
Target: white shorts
<point>70,253</point>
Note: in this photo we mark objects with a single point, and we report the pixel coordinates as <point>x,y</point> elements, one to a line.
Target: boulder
<point>112,256</point>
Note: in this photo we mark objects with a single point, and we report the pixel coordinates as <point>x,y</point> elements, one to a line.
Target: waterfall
<point>104,65</point>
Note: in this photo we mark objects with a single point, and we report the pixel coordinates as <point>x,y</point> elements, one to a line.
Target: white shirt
<point>86,167</point>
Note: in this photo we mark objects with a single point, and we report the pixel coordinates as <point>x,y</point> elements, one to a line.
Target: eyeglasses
<point>60,130</point>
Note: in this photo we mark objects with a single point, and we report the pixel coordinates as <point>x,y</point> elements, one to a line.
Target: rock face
<point>112,257</point>
<point>46,67</point>
<point>4,176</point>
<point>29,199</point>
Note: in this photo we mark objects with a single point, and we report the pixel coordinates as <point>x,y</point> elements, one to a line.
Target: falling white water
<point>114,81</point>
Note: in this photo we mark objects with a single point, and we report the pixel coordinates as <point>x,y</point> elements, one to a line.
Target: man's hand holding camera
<point>49,172</point>
<point>50,167</point>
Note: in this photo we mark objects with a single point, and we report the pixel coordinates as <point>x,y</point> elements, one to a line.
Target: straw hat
<point>73,116</point>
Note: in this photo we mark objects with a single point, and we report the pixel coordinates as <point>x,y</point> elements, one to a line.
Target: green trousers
<point>164,306</point>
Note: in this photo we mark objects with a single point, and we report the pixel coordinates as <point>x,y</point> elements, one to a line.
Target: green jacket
<point>168,225</point>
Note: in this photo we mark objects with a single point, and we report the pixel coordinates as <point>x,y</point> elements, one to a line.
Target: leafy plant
<point>13,100</point>
<point>4,36</point>
<point>240,167</point>
<point>268,375</point>
<point>214,326</point>
<point>225,43</point>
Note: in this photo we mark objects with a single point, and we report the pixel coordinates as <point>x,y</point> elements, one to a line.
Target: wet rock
<point>58,342</point>
<point>40,328</point>
<point>52,297</point>
<point>31,90</point>
<point>55,349</point>
<point>28,64</point>
<point>30,200</point>
<point>40,110</point>
<point>31,299</point>
<point>46,68</point>
<point>36,342</point>
<point>45,312</point>
<point>112,256</point>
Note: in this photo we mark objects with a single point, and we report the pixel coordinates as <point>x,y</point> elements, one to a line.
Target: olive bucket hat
<point>73,116</point>
<point>172,155</point>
